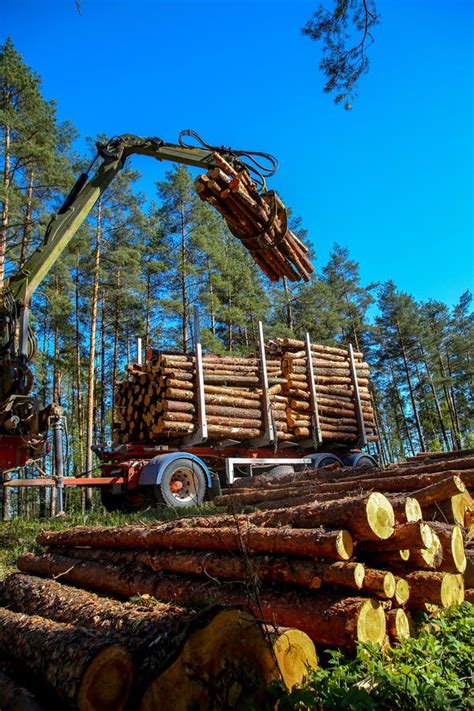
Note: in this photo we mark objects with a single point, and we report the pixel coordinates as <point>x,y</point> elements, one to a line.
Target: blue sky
<point>392,180</point>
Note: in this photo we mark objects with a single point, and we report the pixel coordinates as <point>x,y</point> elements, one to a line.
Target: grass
<point>18,536</point>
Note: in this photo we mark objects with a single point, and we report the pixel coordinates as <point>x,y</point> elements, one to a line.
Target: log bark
<point>333,545</point>
<point>444,589</point>
<point>367,517</point>
<point>406,508</point>
<point>82,668</point>
<point>380,583</point>
<point>452,543</point>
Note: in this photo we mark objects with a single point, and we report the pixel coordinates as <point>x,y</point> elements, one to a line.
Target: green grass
<point>18,536</point>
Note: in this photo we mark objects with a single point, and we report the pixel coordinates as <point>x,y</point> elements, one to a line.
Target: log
<point>402,591</point>
<point>444,589</point>
<point>452,543</point>
<point>14,697</point>
<point>380,583</point>
<point>406,535</point>
<point>453,510</point>
<point>328,620</point>
<point>406,508</point>
<point>441,490</point>
<point>227,664</point>
<point>295,654</point>
<point>80,667</point>
<point>367,517</point>
<point>398,625</point>
<point>333,545</point>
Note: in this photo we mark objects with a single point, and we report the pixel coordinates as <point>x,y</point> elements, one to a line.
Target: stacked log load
<point>159,400</point>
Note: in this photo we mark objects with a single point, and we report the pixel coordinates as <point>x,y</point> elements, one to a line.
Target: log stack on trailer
<point>320,400</point>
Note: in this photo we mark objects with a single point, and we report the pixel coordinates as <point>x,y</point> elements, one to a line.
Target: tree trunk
<point>103,392</point>
<point>435,397</point>
<point>91,368</point>
<point>25,240</point>
<point>411,390</point>
<point>6,202</point>
<point>82,668</point>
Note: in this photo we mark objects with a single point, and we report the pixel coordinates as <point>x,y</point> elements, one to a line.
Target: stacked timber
<point>334,385</point>
<point>159,400</point>
<point>295,570</point>
<point>258,220</point>
<point>217,658</point>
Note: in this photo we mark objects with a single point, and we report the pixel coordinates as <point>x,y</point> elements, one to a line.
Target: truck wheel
<point>126,501</point>
<point>183,484</point>
<point>323,460</point>
<point>359,460</point>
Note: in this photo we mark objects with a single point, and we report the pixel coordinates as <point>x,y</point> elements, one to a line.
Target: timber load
<point>258,220</point>
<point>325,400</point>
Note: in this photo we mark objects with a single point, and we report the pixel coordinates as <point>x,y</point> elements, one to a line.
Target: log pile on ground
<point>258,220</point>
<point>348,566</point>
<point>216,658</point>
<point>159,400</point>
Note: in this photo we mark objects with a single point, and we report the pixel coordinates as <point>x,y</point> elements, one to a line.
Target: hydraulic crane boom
<point>20,415</point>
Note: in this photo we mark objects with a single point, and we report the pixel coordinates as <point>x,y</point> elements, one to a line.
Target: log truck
<point>131,473</point>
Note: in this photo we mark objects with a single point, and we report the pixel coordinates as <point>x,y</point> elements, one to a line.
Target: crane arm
<point>84,195</point>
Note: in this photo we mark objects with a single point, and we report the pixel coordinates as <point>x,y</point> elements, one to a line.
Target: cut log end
<point>296,655</point>
<point>398,625</point>
<point>230,656</point>
<point>457,549</point>
<point>345,545</point>
<point>402,591</point>
<point>371,624</point>
<point>380,515</point>
<point>107,681</point>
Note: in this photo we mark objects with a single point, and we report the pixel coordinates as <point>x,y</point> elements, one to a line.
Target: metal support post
<point>201,433</point>
<point>362,438</point>
<point>139,352</point>
<point>58,463</point>
<point>269,429</point>
<point>315,424</point>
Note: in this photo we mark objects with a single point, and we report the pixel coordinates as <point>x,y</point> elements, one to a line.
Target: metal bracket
<point>200,435</point>
<point>315,424</point>
<point>268,436</point>
<point>256,463</point>
<point>362,438</point>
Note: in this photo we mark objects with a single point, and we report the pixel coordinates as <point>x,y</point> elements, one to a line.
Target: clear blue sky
<point>392,180</point>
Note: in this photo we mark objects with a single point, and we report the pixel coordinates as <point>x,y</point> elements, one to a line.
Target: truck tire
<point>183,484</point>
<point>127,501</point>
<point>359,460</point>
<point>324,459</point>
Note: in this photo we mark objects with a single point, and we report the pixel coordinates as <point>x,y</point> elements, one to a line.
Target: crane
<point>23,423</point>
